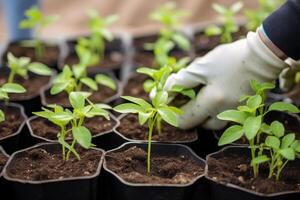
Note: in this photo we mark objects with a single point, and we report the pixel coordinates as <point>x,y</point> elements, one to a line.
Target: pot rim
<point>5,154</point>
<point>230,185</point>
<point>6,176</point>
<point>22,111</point>
<point>193,154</point>
<point>120,117</point>
<point>112,117</point>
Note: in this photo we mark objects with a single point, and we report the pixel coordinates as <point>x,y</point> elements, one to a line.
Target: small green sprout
<point>249,122</point>
<point>71,122</point>
<point>5,90</point>
<point>35,19</point>
<point>229,25</point>
<point>256,17</point>
<point>70,80</point>
<point>152,114</point>
<point>21,66</point>
<point>99,34</point>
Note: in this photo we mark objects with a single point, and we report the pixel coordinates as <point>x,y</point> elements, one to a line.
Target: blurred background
<point>133,14</point>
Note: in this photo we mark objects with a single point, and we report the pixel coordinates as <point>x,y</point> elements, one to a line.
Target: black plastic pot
<point>13,141</point>
<point>119,138</point>
<point>77,188</point>
<point>5,189</point>
<point>53,63</point>
<point>101,140</point>
<point>229,191</point>
<point>117,188</point>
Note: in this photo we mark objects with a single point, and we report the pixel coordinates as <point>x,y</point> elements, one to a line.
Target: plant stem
<point>151,125</point>
<point>255,167</point>
<point>11,77</point>
<point>72,147</point>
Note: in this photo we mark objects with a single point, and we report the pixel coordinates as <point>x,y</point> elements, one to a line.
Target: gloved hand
<point>288,75</point>
<point>225,74</point>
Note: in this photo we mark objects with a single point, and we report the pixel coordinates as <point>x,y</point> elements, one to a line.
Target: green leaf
<point>83,136</point>
<point>254,101</point>
<point>161,98</point>
<point>288,153</point>
<point>144,104</point>
<point>213,30</point>
<point>40,69</point>
<point>277,129</point>
<point>128,108</point>
<point>143,117</point>
<point>236,7</point>
<point>252,126</point>
<point>148,85</point>
<point>296,146</point>
<point>13,88</point>
<point>2,116</point>
<point>168,116</point>
<point>181,41</point>
<point>273,142</point>
<point>287,140</point>
<point>77,99</point>
<point>106,81</point>
<point>58,87</point>
<point>231,135</point>
<point>259,160</point>
<point>283,106</point>
<point>234,116</point>
<point>147,71</point>
<point>219,8</point>
<point>90,83</point>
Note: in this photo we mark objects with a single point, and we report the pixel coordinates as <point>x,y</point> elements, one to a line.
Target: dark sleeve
<point>283,28</point>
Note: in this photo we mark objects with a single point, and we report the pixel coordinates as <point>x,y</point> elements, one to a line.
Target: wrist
<point>266,40</point>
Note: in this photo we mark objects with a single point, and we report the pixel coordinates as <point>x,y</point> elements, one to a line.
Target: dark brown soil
<point>134,87</point>
<point>32,85</point>
<point>3,160</point>
<point>43,128</point>
<point>139,42</point>
<point>13,120</point>
<point>228,167</point>
<point>131,165</point>
<point>50,58</point>
<point>62,98</point>
<point>130,128</point>
<point>40,164</point>
<point>295,95</point>
<point>204,44</point>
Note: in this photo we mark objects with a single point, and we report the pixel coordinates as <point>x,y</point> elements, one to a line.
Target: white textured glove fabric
<point>287,77</point>
<point>225,74</point>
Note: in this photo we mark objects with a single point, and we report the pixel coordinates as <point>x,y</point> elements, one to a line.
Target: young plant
<point>71,122</point>
<point>229,25</point>
<point>5,90</point>
<point>36,20</point>
<point>21,66</point>
<point>95,44</point>
<point>152,114</point>
<point>257,16</point>
<point>249,122</point>
<point>70,80</point>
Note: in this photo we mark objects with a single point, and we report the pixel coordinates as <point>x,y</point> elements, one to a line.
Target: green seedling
<point>257,16</point>
<point>21,66</point>
<point>152,114</point>
<point>249,121</point>
<point>71,122</point>
<point>35,19</point>
<point>100,33</point>
<point>70,80</point>
<point>5,90</point>
<point>229,25</point>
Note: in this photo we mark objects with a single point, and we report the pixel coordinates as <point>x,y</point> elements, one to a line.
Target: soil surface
<point>131,165</point>
<point>41,164</point>
<point>130,128</point>
<point>228,167</point>
<point>43,128</point>
<point>13,120</point>
<point>3,160</point>
<point>62,98</point>
<point>50,58</point>
<point>139,42</point>
<point>32,85</point>
<point>203,44</point>
<point>134,87</point>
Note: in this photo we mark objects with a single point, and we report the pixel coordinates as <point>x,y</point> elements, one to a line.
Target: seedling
<point>99,34</point>
<point>21,66</point>
<point>257,16</point>
<point>152,114</point>
<point>70,80</point>
<point>36,19</point>
<point>71,122</point>
<point>229,25</point>
<point>249,119</point>
<point>5,90</point>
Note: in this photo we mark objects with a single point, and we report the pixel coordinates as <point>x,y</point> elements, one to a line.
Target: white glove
<point>287,76</point>
<point>225,73</point>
